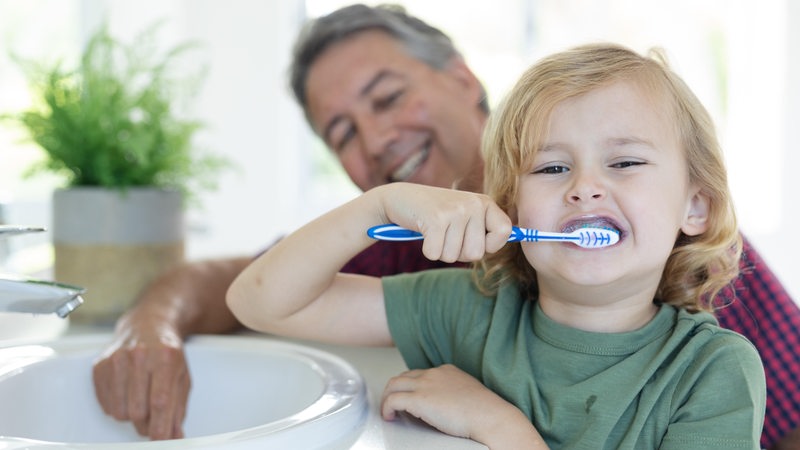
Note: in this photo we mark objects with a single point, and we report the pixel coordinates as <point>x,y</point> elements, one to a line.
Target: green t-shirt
<point>679,382</point>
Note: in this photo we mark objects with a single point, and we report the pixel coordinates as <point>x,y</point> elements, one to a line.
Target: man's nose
<point>376,135</point>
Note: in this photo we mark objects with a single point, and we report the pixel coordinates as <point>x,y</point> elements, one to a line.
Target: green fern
<point>112,121</point>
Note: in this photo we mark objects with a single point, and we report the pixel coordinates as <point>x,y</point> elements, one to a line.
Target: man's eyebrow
<point>363,92</point>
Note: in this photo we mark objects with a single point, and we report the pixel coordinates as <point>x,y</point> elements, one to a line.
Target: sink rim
<point>343,396</point>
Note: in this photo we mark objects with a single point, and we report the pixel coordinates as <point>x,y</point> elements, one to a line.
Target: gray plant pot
<point>114,243</point>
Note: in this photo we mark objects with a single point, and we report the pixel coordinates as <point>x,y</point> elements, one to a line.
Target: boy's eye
<point>552,170</point>
<point>625,164</point>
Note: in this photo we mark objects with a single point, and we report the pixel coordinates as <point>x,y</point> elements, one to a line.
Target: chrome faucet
<point>25,295</point>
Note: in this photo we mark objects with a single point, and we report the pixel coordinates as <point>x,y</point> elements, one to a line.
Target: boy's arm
<point>295,288</point>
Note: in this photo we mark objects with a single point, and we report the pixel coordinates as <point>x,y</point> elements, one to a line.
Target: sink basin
<point>247,392</point>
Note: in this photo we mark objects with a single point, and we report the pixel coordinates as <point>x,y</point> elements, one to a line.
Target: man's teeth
<point>411,165</point>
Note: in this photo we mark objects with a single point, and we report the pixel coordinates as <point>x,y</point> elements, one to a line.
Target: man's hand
<point>143,377</point>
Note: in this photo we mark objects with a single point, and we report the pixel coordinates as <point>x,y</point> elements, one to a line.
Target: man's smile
<point>410,166</point>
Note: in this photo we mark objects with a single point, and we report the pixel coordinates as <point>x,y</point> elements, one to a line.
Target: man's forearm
<point>189,299</point>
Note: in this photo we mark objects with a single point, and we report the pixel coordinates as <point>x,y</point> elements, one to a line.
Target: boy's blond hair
<point>699,266</point>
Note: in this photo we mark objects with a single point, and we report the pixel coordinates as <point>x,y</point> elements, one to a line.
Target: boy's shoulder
<point>708,339</point>
<point>704,323</point>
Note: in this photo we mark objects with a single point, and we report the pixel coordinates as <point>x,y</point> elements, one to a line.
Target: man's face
<point>390,117</point>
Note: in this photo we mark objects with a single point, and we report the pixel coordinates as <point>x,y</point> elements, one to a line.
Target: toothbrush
<point>582,237</point>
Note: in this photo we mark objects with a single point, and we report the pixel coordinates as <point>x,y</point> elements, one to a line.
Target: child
<point>548,345</point>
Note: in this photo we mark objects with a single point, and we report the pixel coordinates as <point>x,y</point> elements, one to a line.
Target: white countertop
<point>377,366</point>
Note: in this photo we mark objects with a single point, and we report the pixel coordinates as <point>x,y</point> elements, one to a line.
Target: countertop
<point>377,365</point>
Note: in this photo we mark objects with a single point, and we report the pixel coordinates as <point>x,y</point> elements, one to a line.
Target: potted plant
<point>111,126</point>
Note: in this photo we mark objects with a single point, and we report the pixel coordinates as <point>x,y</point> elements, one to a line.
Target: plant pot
<point>114,243</point>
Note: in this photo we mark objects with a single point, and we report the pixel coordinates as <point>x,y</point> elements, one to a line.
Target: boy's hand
<point>457,225</point>
<point>455,403</point>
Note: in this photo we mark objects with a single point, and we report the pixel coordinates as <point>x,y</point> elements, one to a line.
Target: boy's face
<point>611,159</point>
<point>390,117</point>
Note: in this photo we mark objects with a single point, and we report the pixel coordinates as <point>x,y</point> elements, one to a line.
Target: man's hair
<point>422,41</point>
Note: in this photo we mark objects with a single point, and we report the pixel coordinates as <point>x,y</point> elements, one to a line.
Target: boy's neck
<point>618,317</point>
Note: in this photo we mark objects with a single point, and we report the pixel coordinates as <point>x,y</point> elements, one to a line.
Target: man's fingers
<point>184,386</point>
<point>110,378</point>
<point>138,389</point>
<point>168,395</point>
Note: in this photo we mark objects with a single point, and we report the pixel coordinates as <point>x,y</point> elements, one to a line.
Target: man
<point>395,101</point>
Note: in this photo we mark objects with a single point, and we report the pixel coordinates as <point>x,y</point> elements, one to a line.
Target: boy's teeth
<point>408,167</point>
<point>605,224</point>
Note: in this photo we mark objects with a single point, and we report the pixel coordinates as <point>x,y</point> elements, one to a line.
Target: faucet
<point>26,295</point>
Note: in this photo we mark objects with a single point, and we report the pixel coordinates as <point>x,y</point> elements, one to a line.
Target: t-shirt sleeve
<point>437,317</point>
<point>721,390</point>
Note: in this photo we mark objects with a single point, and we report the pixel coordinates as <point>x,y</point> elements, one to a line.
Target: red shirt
<point>759,308</point>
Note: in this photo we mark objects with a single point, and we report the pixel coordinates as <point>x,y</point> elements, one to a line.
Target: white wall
<point>781,245</point>
<point>246,101</point>
<point>254,121</point>
<point>761,135</point>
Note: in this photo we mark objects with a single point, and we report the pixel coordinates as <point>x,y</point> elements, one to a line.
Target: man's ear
<point>697,210</point>
<point>458,68</point>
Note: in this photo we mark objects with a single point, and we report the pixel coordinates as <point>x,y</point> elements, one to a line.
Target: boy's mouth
<point>593,222</point>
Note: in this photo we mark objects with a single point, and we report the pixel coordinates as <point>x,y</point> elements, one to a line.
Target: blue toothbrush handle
<point>392,232</point>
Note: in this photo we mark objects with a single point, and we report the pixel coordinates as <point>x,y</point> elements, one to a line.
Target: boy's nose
<point>586,187</point>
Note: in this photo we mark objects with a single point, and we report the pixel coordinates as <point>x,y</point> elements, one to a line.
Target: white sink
<point>247,392</point>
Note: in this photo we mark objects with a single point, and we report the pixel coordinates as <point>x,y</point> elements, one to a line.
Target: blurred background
<point>737,55</point>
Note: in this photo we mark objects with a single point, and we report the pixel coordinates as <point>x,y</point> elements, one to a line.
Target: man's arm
<point>143,376</point>
<point>762,310</point>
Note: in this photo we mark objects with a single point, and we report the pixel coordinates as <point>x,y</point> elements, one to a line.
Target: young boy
<point>549,345</point>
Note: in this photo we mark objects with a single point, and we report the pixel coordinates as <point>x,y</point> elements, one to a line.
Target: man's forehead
<point>371,50</point>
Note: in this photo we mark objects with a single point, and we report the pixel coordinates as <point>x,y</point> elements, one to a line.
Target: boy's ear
<point>697,210</point>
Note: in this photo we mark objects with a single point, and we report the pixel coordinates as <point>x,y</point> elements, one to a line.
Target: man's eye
<point>340,143</point>
<point>552,170</point>
<point>385,102</point>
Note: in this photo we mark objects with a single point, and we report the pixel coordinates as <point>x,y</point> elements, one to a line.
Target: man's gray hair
<point>422,41</point>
